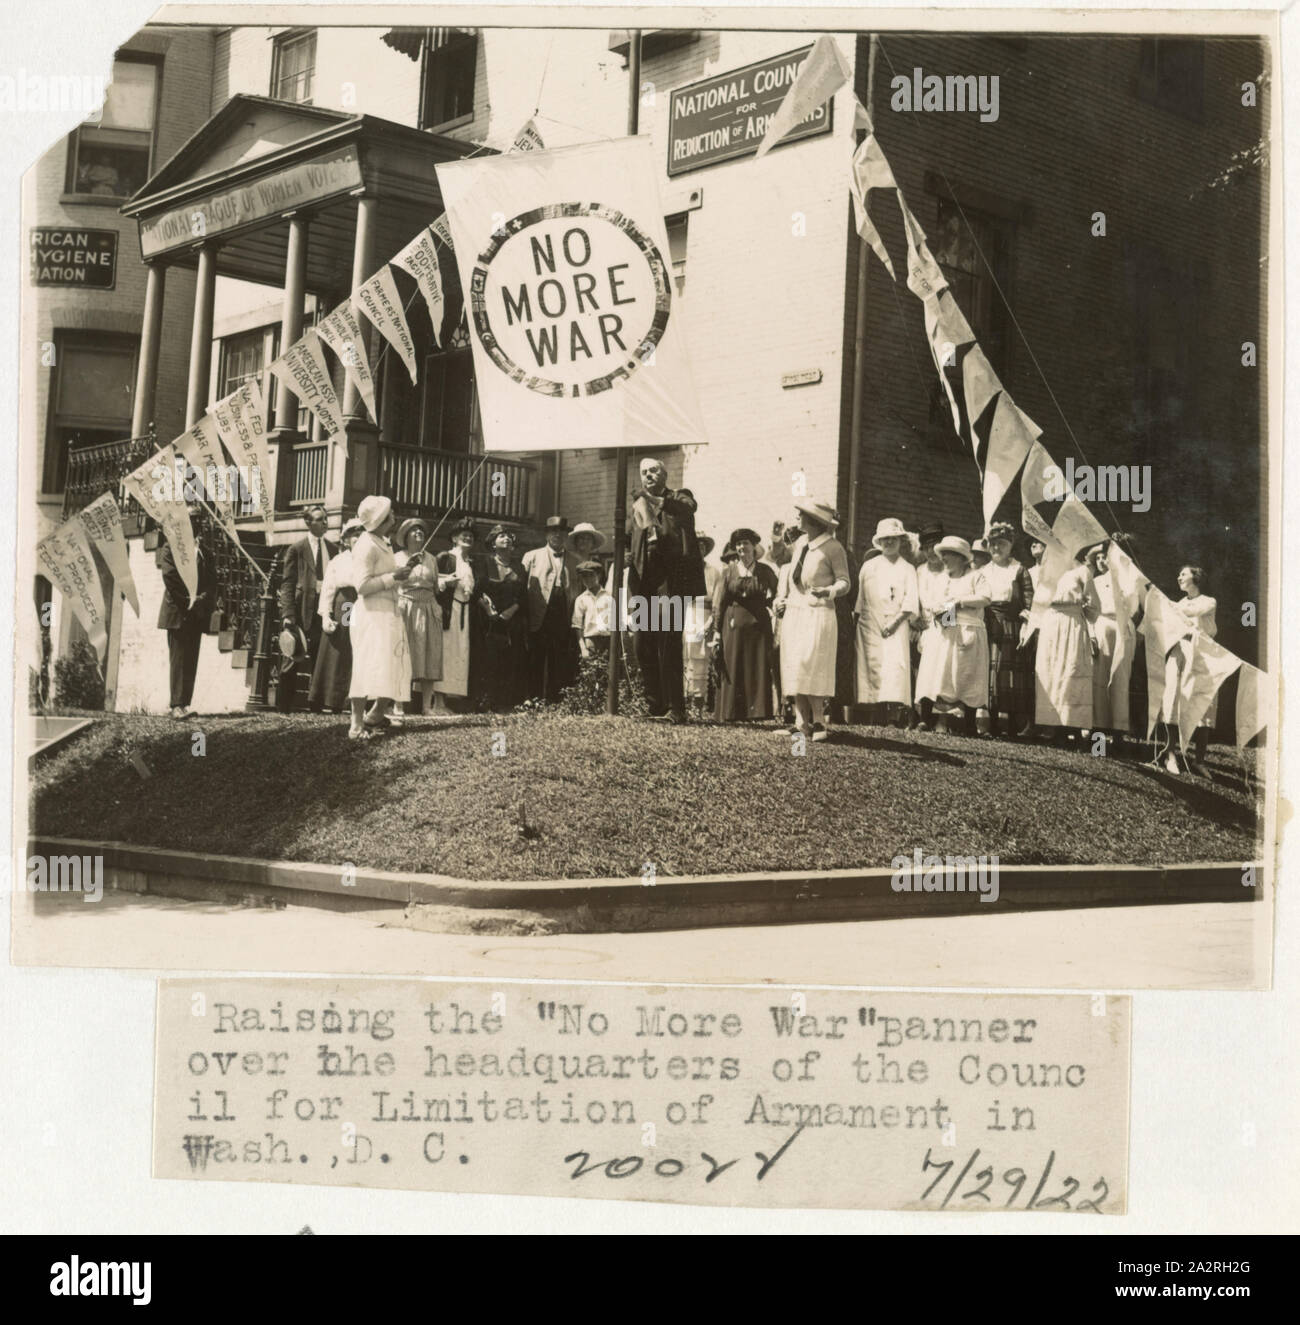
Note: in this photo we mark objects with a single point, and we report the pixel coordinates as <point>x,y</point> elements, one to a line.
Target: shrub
<point>78,682</point>
<point>587,693</point>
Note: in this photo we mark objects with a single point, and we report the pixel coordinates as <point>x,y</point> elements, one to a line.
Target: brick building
<point>1137,332</point>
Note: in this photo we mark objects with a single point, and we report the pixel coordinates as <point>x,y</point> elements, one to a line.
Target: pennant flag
<point>573,319</point>
<point>442,228</point>
<point>951,339</point>
<point>1037,507</point>
<point>303,370</point>
<point>342,333</point>
<point>527,140</point>
<point>1207,667</point>
<point>1129,582</point>
<point>201,446</point>
<point>153,485</point>
<point>822,74</point>
<point>240,420</point>
<point>1075,526</point>
<point>1055,563</point>
<point>1254,703</point>
<point>420,259</point>
<point>980,389</point>
<point>871,171</point>
<point>102,521</point>
<point>1163,629</point>
<point>861,120</point>
<point>382,305</point>
<point>925,277</point>
<point>1011,435</point>
<point>67,562</point>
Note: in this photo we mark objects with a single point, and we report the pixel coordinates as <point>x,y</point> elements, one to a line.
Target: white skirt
<point>884,665</point>
<point>956,666</point>
<point>455,652</point>
<point>808,639</point>
<point>381,657</point>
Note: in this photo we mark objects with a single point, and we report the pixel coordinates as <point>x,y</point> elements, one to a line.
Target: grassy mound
<point>542,796</point>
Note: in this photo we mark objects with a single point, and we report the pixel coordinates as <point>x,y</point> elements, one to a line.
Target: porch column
<point>205,288</point>
<point>286,432</point>
<point>146,374</point>
<point>359,475</point>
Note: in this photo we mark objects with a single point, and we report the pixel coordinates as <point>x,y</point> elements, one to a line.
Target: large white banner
<point>574,321</point>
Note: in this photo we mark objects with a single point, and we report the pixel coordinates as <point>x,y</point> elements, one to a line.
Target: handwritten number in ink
<point>979,1192</point>
<point>1016,1183</point>
<point>943,1173</point>
<point>1071,1186</point>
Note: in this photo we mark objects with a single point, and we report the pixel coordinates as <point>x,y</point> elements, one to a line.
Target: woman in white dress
<point>381,662</point>
<point>888,600</point>
<point>1105,630</point>
<point>697,627</point>
<point>1063,665</point>
<point>819,574</point>
<point>931,579</point>
<point>1199,609</point>
<point>956,663</point>
<point>456,591</point>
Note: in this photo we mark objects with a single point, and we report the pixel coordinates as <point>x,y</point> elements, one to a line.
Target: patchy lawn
<point>583,797</point>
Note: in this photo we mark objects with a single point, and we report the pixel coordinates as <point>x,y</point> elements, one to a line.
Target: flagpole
<point>620,473</point>
<point>860,339</point>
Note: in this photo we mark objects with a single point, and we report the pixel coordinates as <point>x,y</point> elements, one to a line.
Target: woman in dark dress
<point>499,652</point>
<point>1011,685</point>
<point>333,672</point>
<point>741,614</point>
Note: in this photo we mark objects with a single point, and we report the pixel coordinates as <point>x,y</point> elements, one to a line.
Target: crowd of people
<point>932,632</point>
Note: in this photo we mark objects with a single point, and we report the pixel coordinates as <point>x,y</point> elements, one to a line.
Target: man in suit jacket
<point>303,570</point>
<point>664,562</point>
<point>185,620</point>
<point>553,584</point>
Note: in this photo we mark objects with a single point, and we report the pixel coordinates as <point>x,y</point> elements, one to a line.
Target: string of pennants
<point>1185,666</point>
<point>236,427</point>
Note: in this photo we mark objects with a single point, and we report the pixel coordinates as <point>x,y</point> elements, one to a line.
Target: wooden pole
<point>620,474</point>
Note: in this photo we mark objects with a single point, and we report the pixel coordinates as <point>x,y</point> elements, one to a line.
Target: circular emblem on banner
<point>569,299</point>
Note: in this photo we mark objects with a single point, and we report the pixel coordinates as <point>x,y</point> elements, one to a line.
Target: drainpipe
<point>860,341</point>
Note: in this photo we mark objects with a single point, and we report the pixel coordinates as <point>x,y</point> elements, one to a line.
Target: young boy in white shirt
<point>593,612</point>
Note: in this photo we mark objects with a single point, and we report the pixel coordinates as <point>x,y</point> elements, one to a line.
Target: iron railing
<point>426,482</point>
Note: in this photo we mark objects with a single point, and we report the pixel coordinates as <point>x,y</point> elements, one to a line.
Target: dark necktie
<point>320,569</point>
<point>797,573</point>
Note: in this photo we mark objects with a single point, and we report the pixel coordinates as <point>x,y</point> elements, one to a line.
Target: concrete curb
<point>558,906</point>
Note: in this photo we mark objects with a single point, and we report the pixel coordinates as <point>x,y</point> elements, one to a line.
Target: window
<point>676,227</point>
<point>90,397</point>
<point>292,65</point>
<point>1171,74</point>
<point>447,94</point>
<point>242,359</point>
<point>957,245</point>
<point>448,408</point>
<point>110,154</point>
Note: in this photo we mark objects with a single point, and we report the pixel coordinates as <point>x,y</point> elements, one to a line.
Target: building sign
<point>309,181</point>
<point>83,258</point>
<point>726,116</point>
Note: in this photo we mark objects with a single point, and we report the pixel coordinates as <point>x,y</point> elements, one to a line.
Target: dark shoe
<point>819,732</point>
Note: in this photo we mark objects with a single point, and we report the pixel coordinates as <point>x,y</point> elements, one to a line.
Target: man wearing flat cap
<point>303,570</point>
<point>553,584</point>
<point>664,563</point>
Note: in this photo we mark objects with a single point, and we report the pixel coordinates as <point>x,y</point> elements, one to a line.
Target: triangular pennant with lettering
<point>68,563</point>
<point>153,485</point>
<point>1039,484</point>
<point>925,277</point>
<point>240,421</point>
<point>102,521</point>
<point>1075,526</point>
<point>951,340</point>
<point>379,301</point>
<point>303,370</point>
<point>442,228</point>
<point>420,259</point>
<point>822,74</point>
<point>528,139</point>
<point>342,333</point>
<point>201,446</point>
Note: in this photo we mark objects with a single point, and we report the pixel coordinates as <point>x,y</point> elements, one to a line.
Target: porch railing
<point>436,481</point>
<point>95,470</point>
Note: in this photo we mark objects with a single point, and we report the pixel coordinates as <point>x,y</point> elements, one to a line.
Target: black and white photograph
<point>777,499</point>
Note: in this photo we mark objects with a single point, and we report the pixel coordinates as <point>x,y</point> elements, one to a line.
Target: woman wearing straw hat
<point>887,602</point>
<point>955,668</point>
<point>333,671</point>
<point>819,574</point>
<point>381,666</point>
<point>421,613</point>
<point>1063,663</point>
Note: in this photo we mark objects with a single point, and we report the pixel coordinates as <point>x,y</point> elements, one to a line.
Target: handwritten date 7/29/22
<point>1002,1191</point>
